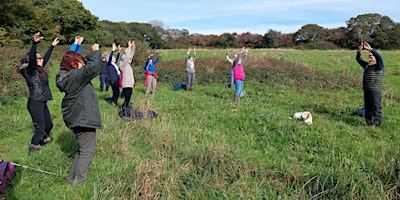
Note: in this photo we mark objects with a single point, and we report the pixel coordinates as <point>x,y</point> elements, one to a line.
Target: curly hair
<point>70,60</point>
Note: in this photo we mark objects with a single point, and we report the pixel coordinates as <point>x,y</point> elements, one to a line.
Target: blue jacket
<point>150,67</point>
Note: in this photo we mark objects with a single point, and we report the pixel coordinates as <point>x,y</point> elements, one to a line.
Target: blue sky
<point>256,16</point>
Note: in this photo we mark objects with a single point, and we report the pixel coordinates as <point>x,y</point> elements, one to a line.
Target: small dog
<point>305,116</point>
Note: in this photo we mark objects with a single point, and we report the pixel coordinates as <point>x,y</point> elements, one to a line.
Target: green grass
<point>203,146</point>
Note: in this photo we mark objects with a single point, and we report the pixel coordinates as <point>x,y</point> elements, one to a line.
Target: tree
<point>338,36</point>
<point>310,33</point>
<point>250,40</point>
<point>372,28</point>
<point>227,40</point>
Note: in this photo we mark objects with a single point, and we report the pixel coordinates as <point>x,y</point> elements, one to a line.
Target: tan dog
<point>305,116</point>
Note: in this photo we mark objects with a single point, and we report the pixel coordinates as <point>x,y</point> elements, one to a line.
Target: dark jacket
<point>39,89</point>
<point>373,74</point>
<point>80,106</point>
<point>103,67</point>
<point>112,72</point>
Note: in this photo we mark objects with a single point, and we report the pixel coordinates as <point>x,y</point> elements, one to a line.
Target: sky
<point>240,16</point>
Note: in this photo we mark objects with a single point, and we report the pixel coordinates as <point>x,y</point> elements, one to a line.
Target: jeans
<point>41,120</point>
<point>104,80</point>
<point>232,80</point>
<point>190,79</point>
<point>239,87</point>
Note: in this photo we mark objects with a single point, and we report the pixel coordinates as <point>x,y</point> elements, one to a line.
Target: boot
<point>34,148</point>
<point>101,89</point>
<point>237,99</point>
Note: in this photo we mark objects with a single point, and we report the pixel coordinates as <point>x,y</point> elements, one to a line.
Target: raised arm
<point>378,57</point>
<point>47,56</point>
<point>77,45</point>
<point>358,56</point>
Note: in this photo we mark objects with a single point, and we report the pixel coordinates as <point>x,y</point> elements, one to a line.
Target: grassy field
<point>203,146</point>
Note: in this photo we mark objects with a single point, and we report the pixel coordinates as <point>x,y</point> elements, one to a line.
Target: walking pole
<point>26,167</point>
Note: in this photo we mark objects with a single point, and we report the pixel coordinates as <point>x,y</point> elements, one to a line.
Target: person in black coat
<point>32,69</point>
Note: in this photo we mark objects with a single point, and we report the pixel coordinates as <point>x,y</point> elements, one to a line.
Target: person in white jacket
<point>128,79</point>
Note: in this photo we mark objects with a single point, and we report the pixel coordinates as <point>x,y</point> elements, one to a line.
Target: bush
<point>318,46</point>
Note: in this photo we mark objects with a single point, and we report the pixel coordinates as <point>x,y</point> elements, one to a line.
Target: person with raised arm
<point>80,106</point>
<point>33,70</point>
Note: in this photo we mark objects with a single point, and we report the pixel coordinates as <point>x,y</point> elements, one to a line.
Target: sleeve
<point>155,61</point>
<point>117,58</point>
<point>47,56</point>
<point>145,64</point>
<point>236,60</point>
<point>76,47</point>
<point>92,66</point>
<point>379,59</point>
<point>32,58</point>
<point>110,58</point>
<point>360,60</point>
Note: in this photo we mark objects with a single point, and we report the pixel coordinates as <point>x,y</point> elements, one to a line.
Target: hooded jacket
<point>80,106</point>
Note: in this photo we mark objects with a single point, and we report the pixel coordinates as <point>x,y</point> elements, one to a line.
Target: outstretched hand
<point>361,46</point>
<point>36,37</point>
<point>367,46</point>
<point>55,42</point>
<point>78,39</point>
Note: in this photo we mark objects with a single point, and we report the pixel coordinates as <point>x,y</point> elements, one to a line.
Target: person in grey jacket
<point>190,71</point>
<point>80,106</point>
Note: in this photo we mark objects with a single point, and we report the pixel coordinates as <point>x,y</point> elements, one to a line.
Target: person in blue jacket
<point>151,75</point>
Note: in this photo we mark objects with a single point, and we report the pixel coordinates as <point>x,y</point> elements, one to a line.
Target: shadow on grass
<point>68,144</point>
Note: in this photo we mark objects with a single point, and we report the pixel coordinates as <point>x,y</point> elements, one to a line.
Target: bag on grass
<point>6,175</point>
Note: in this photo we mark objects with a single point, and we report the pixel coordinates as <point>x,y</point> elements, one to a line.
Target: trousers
<point>86,138</point>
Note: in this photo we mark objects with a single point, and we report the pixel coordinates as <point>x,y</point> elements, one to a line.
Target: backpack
<point>6,175</point>
<point>179,86</point>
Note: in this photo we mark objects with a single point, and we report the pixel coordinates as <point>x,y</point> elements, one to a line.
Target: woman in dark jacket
<point>80,107</point>
<point>32,69</point>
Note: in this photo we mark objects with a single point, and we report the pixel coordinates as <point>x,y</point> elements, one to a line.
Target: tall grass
<point>203,146</point>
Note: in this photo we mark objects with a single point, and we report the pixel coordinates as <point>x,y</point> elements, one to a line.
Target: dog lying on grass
<point>305,116</point>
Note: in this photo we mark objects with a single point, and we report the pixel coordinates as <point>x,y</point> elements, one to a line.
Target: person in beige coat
<point>125,66</point>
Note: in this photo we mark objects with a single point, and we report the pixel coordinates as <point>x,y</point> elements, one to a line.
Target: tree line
<point>65,19</point>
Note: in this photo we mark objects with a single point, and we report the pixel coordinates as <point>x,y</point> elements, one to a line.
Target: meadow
<point>204,146</point>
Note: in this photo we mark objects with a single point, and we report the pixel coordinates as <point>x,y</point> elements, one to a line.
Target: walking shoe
<point>34,148</point>
<point>45,141</point>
